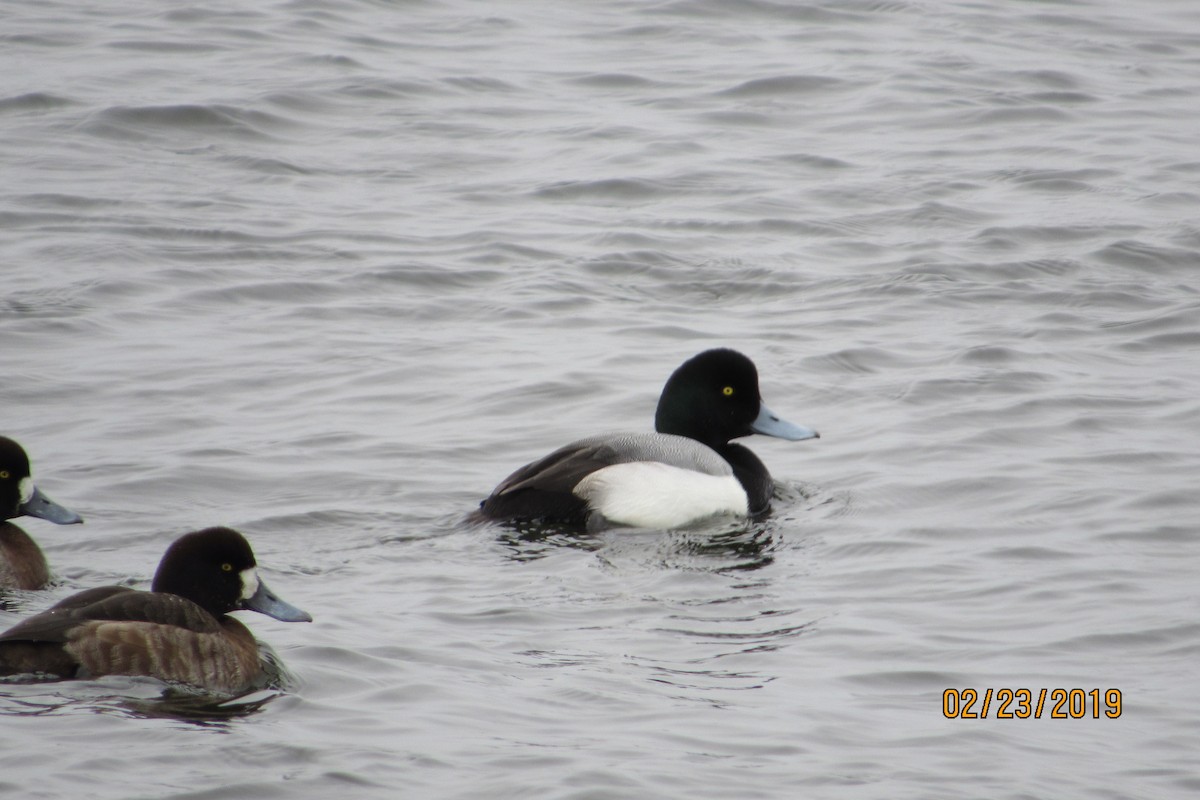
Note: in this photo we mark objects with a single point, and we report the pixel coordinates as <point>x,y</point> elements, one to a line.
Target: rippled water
<point>327,272</point>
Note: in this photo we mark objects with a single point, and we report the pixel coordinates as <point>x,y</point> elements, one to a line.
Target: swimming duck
<point>22,564</point>
<point>687,471</point>
<point>178,631</point>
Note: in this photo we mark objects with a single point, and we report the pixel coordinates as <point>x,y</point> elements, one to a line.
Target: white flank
<point>649,494</point>
<point>249,582</point>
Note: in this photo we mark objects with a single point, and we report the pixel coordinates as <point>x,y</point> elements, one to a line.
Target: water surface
<point>327,272</point>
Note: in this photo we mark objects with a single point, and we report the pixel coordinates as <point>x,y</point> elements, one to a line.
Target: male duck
<point>685,472</point>
<point>178,631</point>
<point>22,564</point>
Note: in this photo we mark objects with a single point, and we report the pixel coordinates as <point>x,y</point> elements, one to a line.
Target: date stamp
<point>1026,703</point>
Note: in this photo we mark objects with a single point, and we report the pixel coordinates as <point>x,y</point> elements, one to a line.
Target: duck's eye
<point>227,567</point>
<point>3,474</point>
<point>727,391</point>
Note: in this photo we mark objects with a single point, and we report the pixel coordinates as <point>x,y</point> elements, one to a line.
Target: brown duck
<point>22,564</point>
<point>178,631</point>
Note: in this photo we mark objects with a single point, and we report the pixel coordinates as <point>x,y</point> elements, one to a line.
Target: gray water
<point>328,271</point>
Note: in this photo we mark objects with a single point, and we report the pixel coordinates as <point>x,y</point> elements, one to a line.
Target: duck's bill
<point>768,423</point>
<point>264,601</point>
<point>38,505</point>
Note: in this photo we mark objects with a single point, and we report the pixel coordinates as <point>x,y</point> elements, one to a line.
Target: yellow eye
<point>727,391</point>
<point>227,567</point>
<point>3,474</point>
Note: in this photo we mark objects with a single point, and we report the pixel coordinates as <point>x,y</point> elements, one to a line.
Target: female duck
<point>178,631</point>
<point>685,472</point>
<point>22,564</point>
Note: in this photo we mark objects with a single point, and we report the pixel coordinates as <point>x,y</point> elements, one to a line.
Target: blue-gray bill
<point>264,601</point>
<point>38,505</point>
<point>768,423</point>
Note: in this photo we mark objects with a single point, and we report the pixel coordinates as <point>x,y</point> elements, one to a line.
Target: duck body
<point>686,471</point>
<point>644,479</point>
<point>22,563</point>
<point>115,630</point>
<point>179,631</point>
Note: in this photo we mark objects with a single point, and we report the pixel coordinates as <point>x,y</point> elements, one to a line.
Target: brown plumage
<point>179,631</point>
<point>22,565</point>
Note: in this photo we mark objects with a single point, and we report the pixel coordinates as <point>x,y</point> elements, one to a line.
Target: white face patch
<point>25,487</point>
<point>249,582</point>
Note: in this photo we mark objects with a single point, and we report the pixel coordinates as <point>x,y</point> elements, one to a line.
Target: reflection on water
<point>721,544</point>
<point>141,698</point>
<point>747,549</point>
<point>146,698</point>
<point>200,709</point>
<point>524,540</point>
<point>713,546</point>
